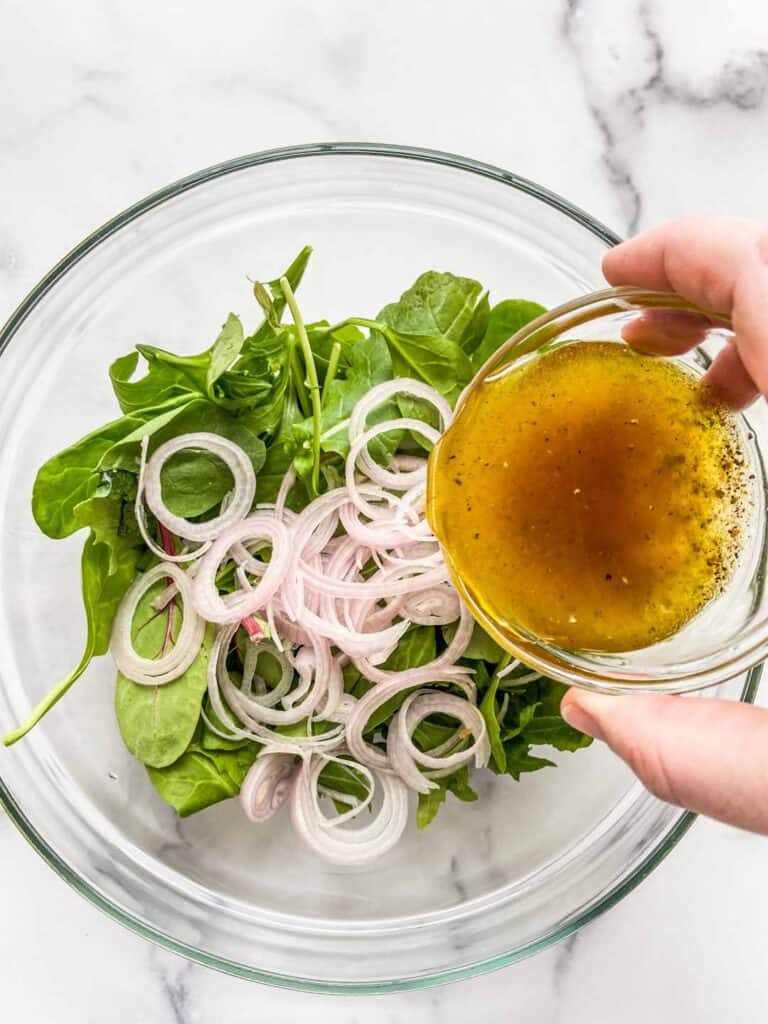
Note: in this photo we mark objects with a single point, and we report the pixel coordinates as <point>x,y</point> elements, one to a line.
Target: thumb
<point>710,756</point>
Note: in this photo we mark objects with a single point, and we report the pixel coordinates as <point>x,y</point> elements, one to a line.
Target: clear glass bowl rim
<point>12,325</point>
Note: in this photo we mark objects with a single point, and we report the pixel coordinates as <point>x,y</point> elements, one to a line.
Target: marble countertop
<point>634,110</point>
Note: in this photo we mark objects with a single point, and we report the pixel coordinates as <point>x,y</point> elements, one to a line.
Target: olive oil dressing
<point>593,496</point>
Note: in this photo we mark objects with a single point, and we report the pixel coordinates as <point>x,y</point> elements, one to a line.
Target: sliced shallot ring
<point>404,755</point>
<point>240,501</point>
<point>348,847</point>
<point>156,671</point>
<point>234,607</point>
<point>358,457</point>
<point>266,786</point>
<point>388,389</point>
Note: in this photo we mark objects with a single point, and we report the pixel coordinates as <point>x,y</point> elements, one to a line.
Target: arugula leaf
<point>430,803</point>
<point>428,806</point>
<point>225,350</point>
<point>157,723</point>
<point>505,319</point>
<point>489,711</point>
<point>102,592</point>
<point>519,760</point>
<point>200,778</point>
<point>554,731</point>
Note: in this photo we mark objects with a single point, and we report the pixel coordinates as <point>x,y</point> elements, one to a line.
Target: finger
<point>700,258</point>
<point>750,319</point>
<point>666,332</point>
<point>729,380</point>
<point>707,755</point>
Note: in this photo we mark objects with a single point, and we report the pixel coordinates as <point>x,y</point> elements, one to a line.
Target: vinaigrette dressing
<point>593,496</point>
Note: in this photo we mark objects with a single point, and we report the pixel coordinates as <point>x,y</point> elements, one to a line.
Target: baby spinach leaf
<point>294,274</point>
<point>343,779</point>
<point>102,592</point>
<point>160,385</point>
<point>505,319</point>
<point>193,482</point>
<point>431,358</point>
<point>436,304</point>
<point>225,350</point>
<point>73,476</point>
<point>417,647</point>
<point>201,778</point>
<point>427,328</point>
<point>192,370</point>
<point>157,723</point>
<point>481,647</point>
<point>210,740</point>
<point>477,326</point>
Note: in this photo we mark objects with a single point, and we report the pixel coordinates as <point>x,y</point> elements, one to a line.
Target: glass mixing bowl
<point>488,882</point>
<point>730,634</point>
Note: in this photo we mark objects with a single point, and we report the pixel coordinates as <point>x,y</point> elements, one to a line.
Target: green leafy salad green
<point>293,683</point>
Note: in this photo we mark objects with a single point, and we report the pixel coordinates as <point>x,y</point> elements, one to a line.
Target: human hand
<point>707,755</point>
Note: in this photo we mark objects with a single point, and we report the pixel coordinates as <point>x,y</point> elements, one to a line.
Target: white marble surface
<point>636,111</point>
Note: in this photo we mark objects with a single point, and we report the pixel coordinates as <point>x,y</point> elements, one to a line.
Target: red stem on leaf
<point>169,546</point>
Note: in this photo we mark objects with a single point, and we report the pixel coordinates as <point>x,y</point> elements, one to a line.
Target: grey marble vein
<point>174,976</point>
<point>620,108</point>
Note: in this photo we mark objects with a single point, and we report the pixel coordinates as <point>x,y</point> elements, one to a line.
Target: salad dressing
<point>592,496</point>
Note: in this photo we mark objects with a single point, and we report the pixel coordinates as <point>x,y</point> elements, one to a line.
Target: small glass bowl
<point>730,635</point>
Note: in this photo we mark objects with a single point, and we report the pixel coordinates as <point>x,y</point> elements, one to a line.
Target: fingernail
<point>577,716</point>
<point>762,248</point>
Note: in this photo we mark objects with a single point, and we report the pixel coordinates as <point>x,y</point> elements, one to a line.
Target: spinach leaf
<point>369,364</point>
<point>432,358</point>
<point>157,723</point>
<point>210,740</point>
<point>225,350</point>
<point>505,319</point>
<point>417,647</point>
<point>436,304</point>
<point>194,482</point>
<point>161,385</point>
<point>427,329</point>
<point>200,778</point>
<point>102,592</point>
<point>293,274</point>
<point>481,647</point>
<point>343,779</point>
<point>73,476</point>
